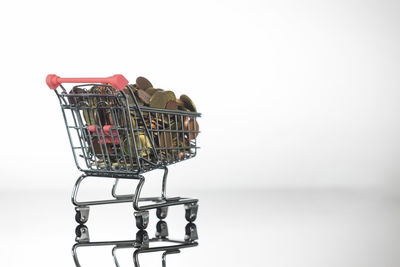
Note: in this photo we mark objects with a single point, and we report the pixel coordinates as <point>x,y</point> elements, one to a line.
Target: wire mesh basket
<point>111,133</point>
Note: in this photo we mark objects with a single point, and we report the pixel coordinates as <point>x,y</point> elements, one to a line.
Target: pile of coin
<point>147,95</point>
<point>172,133</point>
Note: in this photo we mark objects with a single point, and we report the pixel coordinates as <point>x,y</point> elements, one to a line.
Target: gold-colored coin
<point>89,111</point>
<point>188,103</point>
<point>140,102</point>
<point>151,90</point>
<point>89,117</point>
<point>99,89</point>
<point>179,103</point>
<point>143,83</point>
<point>160,99</point>
<point>143,145</point>
<point>185,109</point>
<point>129,96</point>
<point>132,87</point>
<point>143,96</point>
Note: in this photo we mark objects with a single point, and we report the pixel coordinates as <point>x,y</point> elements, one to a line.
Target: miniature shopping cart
<point>113,136</point>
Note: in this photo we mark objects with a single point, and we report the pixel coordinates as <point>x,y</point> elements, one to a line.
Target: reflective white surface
<point>294,94</point>
<point>236,228</point>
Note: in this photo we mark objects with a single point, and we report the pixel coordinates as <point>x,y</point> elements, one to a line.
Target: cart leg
<point>114,192</point>
<point>136,196</point>
<point>76,189</point>
<point>162,204</point>
<point>115,199</point>
<point>82,211</point>
<point>164,256</point>
<point>164,184</point>
<point>75,255</point>
<point>114,254</point>
<point>130,196</point>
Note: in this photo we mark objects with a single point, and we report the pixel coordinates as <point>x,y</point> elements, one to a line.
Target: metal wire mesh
<point>111,133</point>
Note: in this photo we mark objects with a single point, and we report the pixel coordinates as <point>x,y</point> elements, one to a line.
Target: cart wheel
<point>82,233</point>
<point>191,232</point>
<point>191,212</point>
<point>162,212</point>
<point>162,229</point>
<point>82,215</point>
<point>142,238</point>
<point>142,219</point>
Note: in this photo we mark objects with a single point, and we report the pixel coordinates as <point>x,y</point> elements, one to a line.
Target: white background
<point>301,93</point>
<point>294,94</point>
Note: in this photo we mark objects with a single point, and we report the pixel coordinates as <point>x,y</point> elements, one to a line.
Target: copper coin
<point>171,105</point>
<point>165,140</point>
<point>145,97</point>
<point>191,125</point>
<point>73,100</point>
<point>143,83</point>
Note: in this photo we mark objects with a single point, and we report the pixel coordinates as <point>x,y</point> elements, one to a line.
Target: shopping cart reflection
<point>141,244</point>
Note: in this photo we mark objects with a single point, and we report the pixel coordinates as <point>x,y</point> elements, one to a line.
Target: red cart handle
<point>117,81</point>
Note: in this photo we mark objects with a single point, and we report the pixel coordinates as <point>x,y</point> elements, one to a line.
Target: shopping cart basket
<point>111,135</point>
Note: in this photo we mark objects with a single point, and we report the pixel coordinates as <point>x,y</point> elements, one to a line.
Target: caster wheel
<point>82,215</point>
<point>162,229</point>
<point>162,213</point>
<point>142,238</point>
<point>191,212</point>
<point>82,233</point>
<point>142,219</point>
<point>191,232</point>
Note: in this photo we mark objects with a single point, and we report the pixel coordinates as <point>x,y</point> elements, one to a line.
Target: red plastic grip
<point>108,134</point>
<point>118,81</point>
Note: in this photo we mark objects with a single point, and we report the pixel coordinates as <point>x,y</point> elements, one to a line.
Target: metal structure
<point>142,243</point>
<point>113,136</point>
